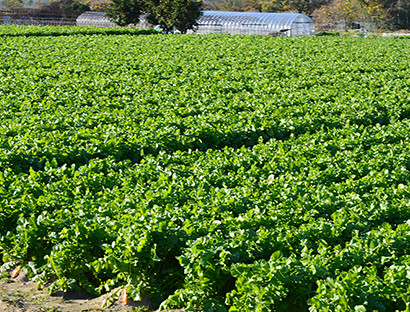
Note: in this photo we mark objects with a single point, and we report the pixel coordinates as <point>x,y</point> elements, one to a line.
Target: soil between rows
<point>20,295</point>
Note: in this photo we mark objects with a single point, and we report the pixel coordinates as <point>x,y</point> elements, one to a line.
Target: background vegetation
<point>336,14</point>
<point>383,13</point>
<point>170,15</point>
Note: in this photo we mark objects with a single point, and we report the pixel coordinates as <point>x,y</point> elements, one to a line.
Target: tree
<point>14,4</point>
<point>231,5</point>
<point>276,6</point>
<point>391,14</point>
<point>169,14</point>
<point>376,8</point>
<point>64,8</point>
<point>302,6</point>
<point>388,13</point>
<point>179,14</point>
<point>307,6</point>
<point>347,12</point>
<point>124,12</point>
<point>401,14</point>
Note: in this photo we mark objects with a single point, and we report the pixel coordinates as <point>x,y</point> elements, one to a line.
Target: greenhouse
<point>99,19</point>
<point>242,23</point>
<point>253,23</point>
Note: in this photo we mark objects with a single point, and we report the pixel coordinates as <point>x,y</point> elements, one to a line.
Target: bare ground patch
<point>20,295</point>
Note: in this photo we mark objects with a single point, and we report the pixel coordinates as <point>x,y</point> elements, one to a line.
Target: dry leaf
<point>124,296</point>
<point>15,272</point>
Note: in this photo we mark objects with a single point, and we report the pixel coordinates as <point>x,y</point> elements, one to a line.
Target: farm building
<point>242,23</point>
<point>91,18</point>
<point>253,23</point>
<point>99,19</point>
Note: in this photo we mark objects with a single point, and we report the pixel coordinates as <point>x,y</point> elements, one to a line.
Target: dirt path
<point>20,295</point>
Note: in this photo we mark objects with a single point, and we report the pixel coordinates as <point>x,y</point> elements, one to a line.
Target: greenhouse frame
<point>235,23</point>
<point>254,23</point>
<point>91,18</point>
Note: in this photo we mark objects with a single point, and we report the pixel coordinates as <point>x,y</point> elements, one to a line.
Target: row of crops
<point>213,172</point>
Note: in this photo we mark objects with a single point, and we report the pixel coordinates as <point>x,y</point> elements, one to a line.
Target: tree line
<point>168,14</point>
<point>183,14</point>
<point>385,13</point>
<point>57,8</point>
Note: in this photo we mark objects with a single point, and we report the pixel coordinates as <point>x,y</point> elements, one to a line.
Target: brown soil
<point>20,295</point>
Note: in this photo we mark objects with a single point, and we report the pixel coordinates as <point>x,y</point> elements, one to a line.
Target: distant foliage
<point>169,14</point>
<point>179,14</point>
<point>346,11</point>
<point>385,13</point>
<point>233,5</point>
<point>59,7</point>
<point>124,12</point>
<point>63,8</point>
<point>301,6</point>
<point>393,14</point>
<point>13,4</point>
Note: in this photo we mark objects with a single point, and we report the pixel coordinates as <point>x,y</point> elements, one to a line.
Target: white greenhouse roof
<point>289,24</point>
<point>92,18</point>
<point>271,20</point>
<point>256,23</point>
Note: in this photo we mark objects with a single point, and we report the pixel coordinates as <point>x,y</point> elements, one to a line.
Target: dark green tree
<point>14,4</point>
<point>175,14</point>
<point>124,12</point>
<point>401,14</point>
<point>64,8</point>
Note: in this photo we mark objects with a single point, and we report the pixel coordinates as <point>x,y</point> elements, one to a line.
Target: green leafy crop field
<point>213,172</point>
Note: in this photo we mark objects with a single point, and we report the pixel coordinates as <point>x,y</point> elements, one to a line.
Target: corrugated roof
<point>92,18</point>
<point>272,21</point>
